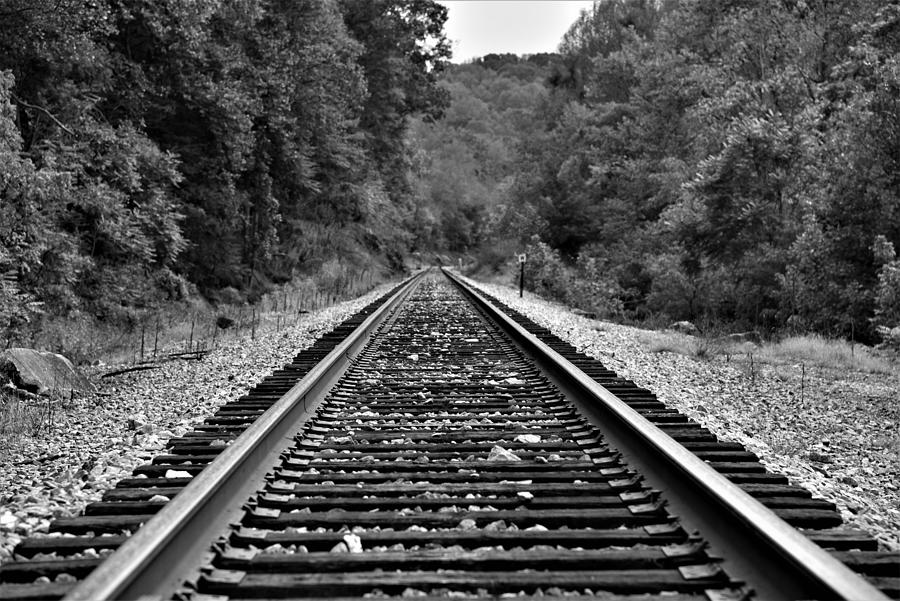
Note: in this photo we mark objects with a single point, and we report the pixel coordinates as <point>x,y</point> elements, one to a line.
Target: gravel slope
<point>841,440</point>
<point>90,447</point>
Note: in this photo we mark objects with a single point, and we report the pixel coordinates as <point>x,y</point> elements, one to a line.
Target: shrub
<point>593,289</point>
<point>587,285</point>
<point>545,272</point>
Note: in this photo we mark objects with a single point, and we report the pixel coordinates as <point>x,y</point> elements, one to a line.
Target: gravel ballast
<point>848,424</point>
<point>95,441</point>
<point>839,437</point>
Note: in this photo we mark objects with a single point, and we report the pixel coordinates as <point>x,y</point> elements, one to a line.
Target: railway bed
<point>429,447</point>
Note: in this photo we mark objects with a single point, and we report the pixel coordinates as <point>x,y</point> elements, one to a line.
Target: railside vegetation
<point>722,162</point>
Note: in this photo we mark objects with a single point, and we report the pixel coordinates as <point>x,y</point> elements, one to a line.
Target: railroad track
<point>431,448</point>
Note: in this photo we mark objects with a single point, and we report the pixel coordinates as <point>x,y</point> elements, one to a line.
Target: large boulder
<point>42,371</point>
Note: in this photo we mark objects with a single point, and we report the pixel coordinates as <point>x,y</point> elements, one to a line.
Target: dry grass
<point>191,325</point>
<point>23,417</point>
<point>682,344</point>
<point>811,350</point>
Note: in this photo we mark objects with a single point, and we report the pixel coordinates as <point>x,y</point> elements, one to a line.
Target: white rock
<point>499,454</point>
<point>353,542</point>
<point>178,474</point>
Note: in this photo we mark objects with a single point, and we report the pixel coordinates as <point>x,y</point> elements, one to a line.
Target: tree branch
<point>45,111</point>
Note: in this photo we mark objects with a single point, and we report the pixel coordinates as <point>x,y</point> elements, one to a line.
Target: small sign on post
<point>522,259</point>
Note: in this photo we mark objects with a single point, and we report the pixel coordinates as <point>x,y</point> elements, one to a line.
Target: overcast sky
<point>479,27</point>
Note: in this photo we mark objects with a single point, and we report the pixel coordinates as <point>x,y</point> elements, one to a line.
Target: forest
<point>155,151</point>
<point>734,163</point>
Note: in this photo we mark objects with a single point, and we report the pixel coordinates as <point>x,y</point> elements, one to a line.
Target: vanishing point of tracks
<point>430,448</point>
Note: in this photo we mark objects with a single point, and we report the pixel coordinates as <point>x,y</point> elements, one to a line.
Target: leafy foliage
<point>717,161</point>
<point>151,147</point>
<point>465,162</point>
<point>887,293</point>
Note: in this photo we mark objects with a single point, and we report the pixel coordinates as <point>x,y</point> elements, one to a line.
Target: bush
<point>545,272</point>
<point>586,285</point>
<point>593,289</point>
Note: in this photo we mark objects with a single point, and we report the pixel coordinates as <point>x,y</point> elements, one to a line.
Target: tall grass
<point>191,326</point>
<point>682,344</point>
<point>813,349</point>
<point>22,417</point>
<point>810,349</point>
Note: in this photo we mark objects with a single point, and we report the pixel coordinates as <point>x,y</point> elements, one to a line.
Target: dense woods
<point>728,162</point>
<point>725,162</point>
<point>153,150</point>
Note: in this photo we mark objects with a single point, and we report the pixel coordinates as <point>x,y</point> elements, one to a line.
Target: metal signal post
<point>522,259</point>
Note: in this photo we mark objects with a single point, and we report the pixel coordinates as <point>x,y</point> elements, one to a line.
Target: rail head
<point>152,562</point>
<point>833,579</point>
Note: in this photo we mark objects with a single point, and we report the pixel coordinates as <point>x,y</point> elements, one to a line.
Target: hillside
<point>731,164</point>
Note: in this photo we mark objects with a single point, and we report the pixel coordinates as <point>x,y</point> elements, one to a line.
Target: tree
<point>405,50</point>
<point>741,156</point>
<point>104,188</point>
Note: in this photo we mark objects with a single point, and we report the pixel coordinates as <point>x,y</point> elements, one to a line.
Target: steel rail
<point>153,562</point>
<point>806,567</point>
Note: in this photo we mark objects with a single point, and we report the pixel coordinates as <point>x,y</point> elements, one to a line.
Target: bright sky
<point>479,27</point>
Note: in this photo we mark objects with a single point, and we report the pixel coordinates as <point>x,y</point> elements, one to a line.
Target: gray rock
<point>685,327</point>
<point>136,421</point>
<point>42,371</point>
<point>890,337</point>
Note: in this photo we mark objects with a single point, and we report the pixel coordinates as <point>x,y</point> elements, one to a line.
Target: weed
<point>706,348</point>
<point>19,416</point>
